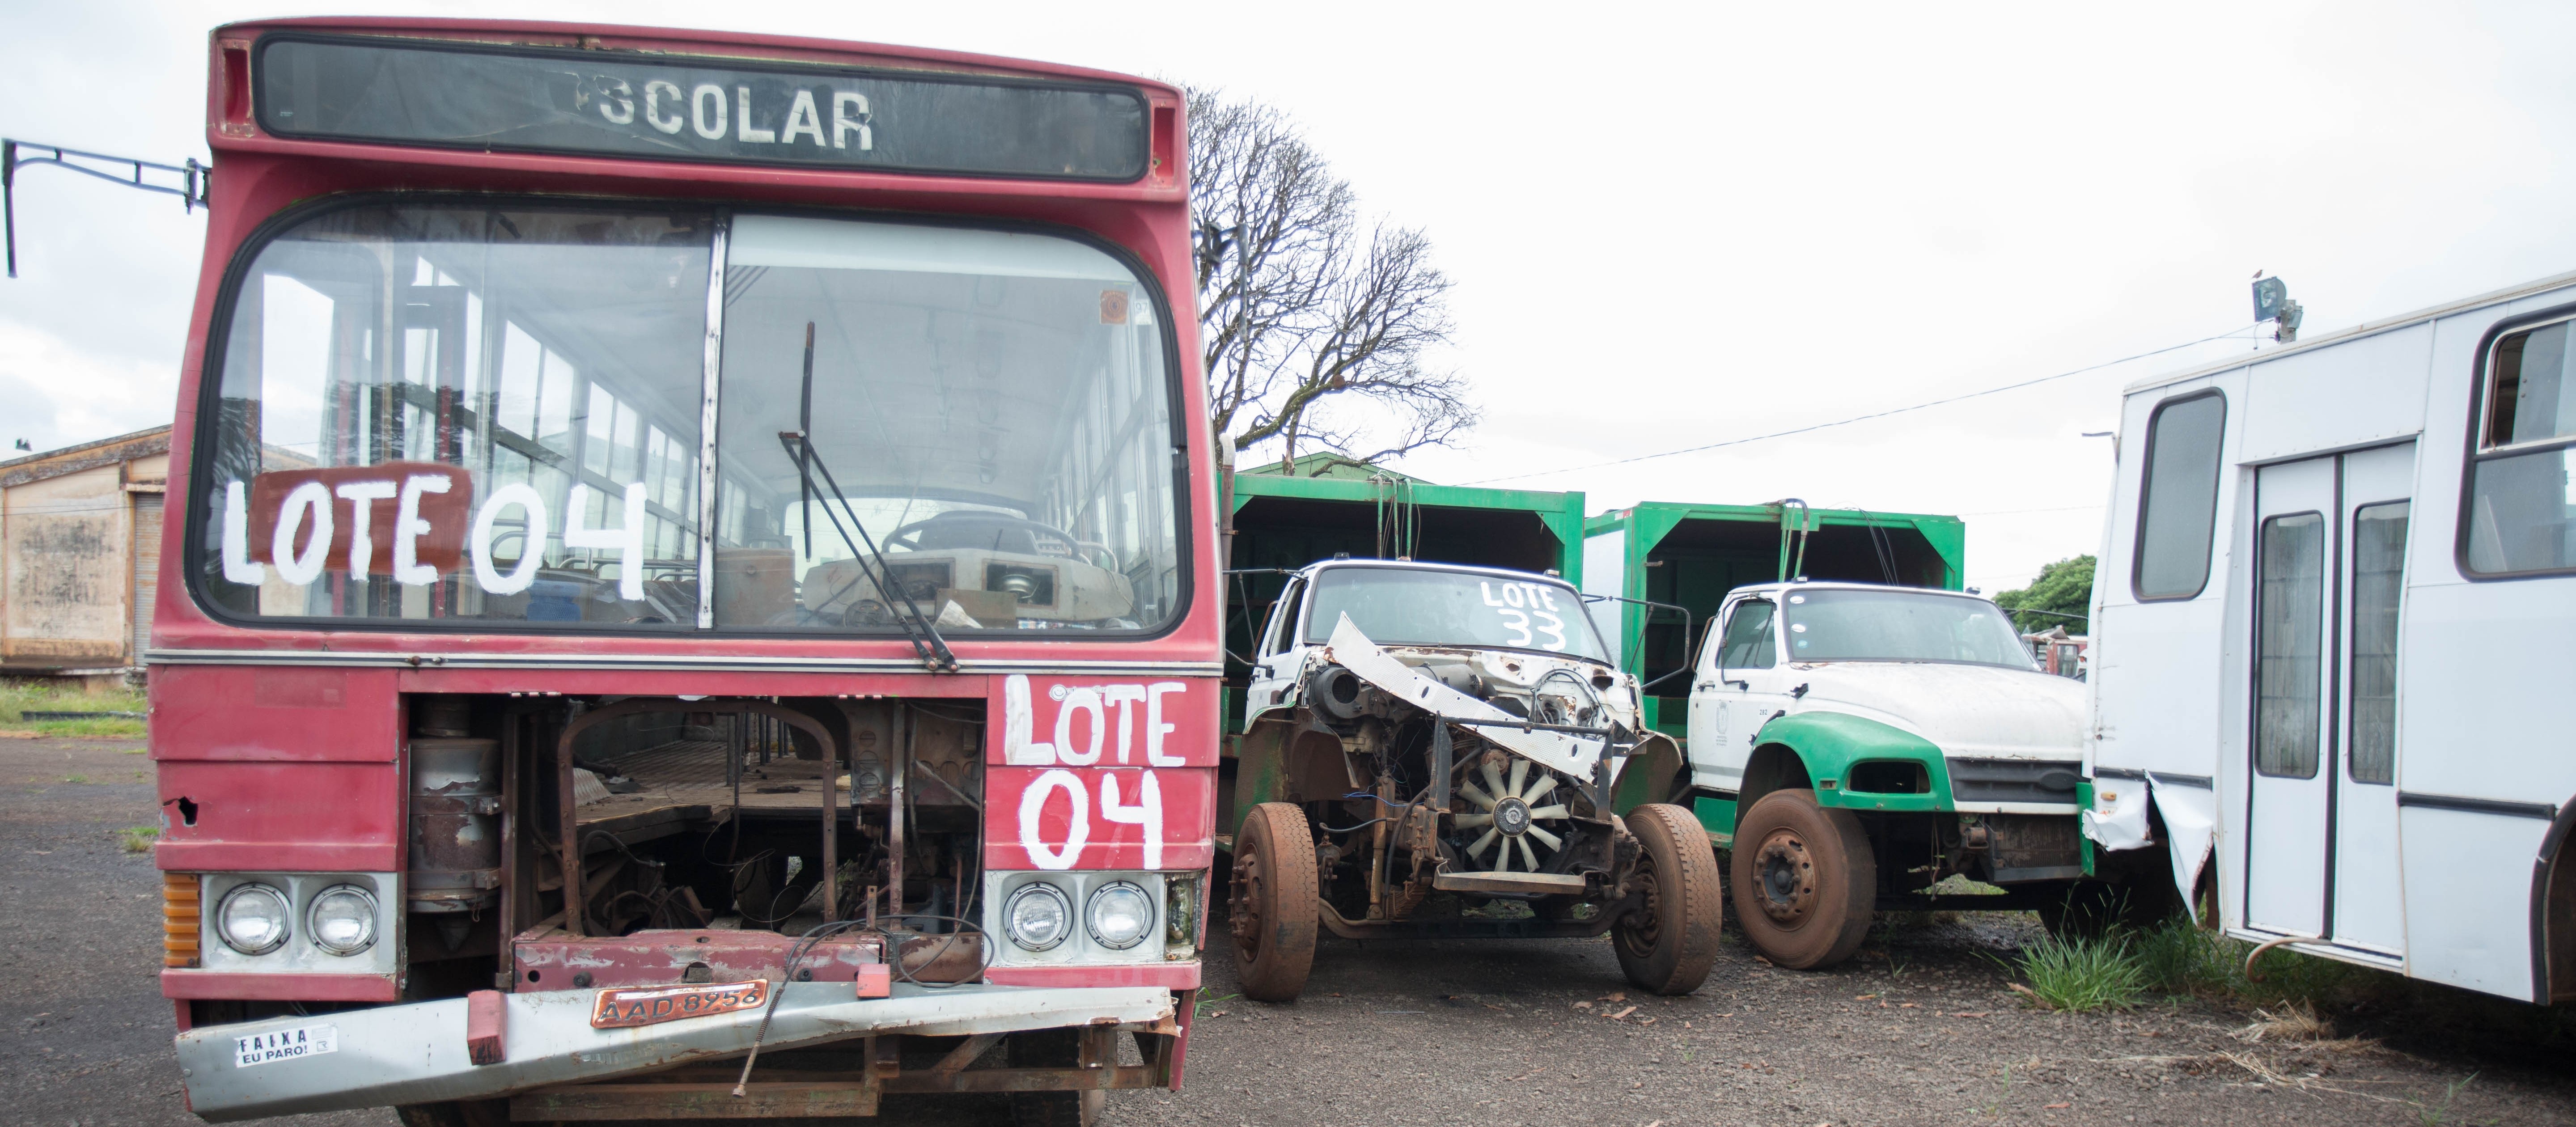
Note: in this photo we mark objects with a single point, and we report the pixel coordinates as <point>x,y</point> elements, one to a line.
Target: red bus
<point>697,594</point>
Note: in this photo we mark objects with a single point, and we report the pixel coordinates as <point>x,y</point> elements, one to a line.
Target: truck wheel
<point>1271,909</point>
<point>1805,880</point>
<point>1668,946</point>
<point>1053,1048</point>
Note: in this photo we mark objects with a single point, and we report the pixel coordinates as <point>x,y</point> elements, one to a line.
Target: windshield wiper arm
<point>917,627</point>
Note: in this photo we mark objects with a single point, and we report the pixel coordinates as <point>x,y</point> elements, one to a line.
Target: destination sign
<point>667,107</point>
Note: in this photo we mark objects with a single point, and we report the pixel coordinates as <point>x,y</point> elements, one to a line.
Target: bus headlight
<point>1038,916</point>
<point>1120,915</point>
<point>342,920</point>
<point>253,919</point>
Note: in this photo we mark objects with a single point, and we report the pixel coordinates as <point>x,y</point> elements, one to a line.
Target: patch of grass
<point>76,780</point>
<point>103,726</point>
<point>138,839</point>
<point>2178,957</point>
<point>2080,974</point>
<point>19,696</point>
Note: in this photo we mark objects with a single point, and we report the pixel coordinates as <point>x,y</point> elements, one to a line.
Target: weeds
<point>2435,1116</point>
<point>1993,1107</point>
<point>138,839</point>
<point>2077,974</point>
<point>103,726</point>
<point>76,780</point>
<point>20,697</point>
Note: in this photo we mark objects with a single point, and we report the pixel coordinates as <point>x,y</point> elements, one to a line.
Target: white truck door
<point>2362,872</point>
<point>2286,820</point>
<point>1278,653</point>
<point>1733,691</point>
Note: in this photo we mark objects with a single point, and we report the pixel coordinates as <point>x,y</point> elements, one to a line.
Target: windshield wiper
<point>917,627</point>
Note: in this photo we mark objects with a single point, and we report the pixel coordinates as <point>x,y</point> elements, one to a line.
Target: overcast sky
<point>1669,225</point>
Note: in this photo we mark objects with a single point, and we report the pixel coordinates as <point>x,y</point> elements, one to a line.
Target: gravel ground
<point>1921,1030</point>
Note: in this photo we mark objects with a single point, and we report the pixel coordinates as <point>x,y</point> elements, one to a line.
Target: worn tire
<point>1053,1048</point>
<point>1805,880</point>
<point>1271,910</point>
<point>1669,947</point>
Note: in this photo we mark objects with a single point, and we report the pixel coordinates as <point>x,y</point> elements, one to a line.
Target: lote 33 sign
<point>1087,773</point>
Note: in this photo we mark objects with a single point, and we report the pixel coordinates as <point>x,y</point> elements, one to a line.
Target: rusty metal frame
<point>576,912</point>
<point>1599,924</point>
<point>705,1090</point>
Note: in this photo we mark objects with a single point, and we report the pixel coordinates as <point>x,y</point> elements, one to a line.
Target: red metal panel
<point>278,987</point>
<point>284,817</point>
<point>487,1018</point>
<point>629,682</point>
<point>663,958</point>
<point>1052,721</point>
<point>1174,976</point>
<point>1099,773</point>
<point>274,713</point>
<point>876,981</point>
<point>1098,818</point>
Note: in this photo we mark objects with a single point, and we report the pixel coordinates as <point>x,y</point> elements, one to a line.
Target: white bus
<point>2333,677</point>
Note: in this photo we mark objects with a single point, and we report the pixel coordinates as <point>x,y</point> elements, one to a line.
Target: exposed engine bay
<point>1456,790</point>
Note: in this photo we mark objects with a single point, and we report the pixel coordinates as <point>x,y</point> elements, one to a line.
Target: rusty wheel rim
<point>1784,878</point>
<point>1243,905</point>
<point>1645,927</point>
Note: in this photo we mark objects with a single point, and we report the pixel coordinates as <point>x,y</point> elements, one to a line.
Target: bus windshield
<point>431,413</point>
<point>1831,625</point>
<point>1398,606</point>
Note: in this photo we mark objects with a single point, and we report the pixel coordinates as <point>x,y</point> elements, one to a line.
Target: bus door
<point>2377,487</point>
<point>2320,840</point>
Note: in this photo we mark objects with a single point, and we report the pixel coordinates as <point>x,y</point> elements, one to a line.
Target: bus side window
<point>2178,501</point>
<point>2520,494</point>
<point>1747,643</point>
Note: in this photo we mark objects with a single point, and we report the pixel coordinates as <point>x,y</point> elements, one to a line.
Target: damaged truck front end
<point>1434,751</point>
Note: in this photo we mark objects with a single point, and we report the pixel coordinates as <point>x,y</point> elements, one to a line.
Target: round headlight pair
<point>256,919</point>
<point>1039,916</point>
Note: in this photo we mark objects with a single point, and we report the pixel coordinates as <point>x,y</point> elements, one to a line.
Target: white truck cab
<point>1854,744</point>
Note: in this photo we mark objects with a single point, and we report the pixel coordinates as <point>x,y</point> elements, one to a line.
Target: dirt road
<point>1491,1034</point>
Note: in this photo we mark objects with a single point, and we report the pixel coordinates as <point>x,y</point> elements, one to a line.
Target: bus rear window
<point>493,416</point>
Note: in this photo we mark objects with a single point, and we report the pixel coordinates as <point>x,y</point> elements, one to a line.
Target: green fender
<point>1829,743</point>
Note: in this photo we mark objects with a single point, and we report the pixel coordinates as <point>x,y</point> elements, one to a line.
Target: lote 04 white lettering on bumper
<point>417,1053</point>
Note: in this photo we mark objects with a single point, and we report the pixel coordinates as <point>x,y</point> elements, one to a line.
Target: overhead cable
<point>1812,427</point>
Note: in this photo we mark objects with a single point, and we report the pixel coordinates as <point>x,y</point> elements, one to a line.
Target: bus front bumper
<point>417,1053</point>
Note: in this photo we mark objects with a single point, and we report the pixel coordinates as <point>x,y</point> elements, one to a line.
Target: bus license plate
<point>651,1005</point>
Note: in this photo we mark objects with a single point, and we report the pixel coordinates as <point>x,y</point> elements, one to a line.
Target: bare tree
<point>1316,329</point>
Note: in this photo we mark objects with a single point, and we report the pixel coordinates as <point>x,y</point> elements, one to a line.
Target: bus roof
<point>2356,332</point>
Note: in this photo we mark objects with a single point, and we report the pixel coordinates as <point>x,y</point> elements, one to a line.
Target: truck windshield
<point>1411,606</point>
<point>461,413</point>
<point>1834,625</point>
